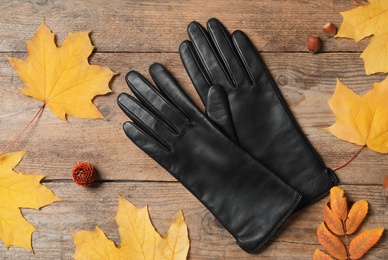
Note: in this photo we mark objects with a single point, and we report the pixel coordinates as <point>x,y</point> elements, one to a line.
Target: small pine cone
<point>83,174</point>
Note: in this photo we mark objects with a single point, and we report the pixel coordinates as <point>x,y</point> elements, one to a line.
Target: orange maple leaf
<point>19,191</point>
<point>362,120</point>
<point>139,240</point>
<point>62,77</point>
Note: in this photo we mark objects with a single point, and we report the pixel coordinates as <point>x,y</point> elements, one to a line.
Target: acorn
<point>313,43</point>
<point>329,29</point>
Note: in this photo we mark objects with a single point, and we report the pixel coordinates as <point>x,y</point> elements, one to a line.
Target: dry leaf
<point>333,222</point>
<point>139,240</point>
<point>363,242</point>
<point>330,242</point>
<point>319,255</point>
<point>356,215</point>
<point>360,244</point>
<point>94,245</point>
<point>62,77</point>
<point>364,21</point>
<point>375,55</point>
<point>362,120</point>
<point>17,191</point>
<point>338,203</point>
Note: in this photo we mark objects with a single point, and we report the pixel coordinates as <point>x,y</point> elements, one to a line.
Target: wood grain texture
<point>132,35</point>
<point>159,26</point>
<point>84,208</point>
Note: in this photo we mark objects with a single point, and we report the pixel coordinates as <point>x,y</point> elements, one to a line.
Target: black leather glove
<point>248,200</point>
<point>241,97</point>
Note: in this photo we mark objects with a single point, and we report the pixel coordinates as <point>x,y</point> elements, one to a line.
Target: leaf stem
<point>346,240</point>
<point>25,128</point>
<point>350,159</point>
<point>356,3</point>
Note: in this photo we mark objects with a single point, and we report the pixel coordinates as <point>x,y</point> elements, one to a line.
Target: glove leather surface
<point>249,200</point>
<point>241,97</point>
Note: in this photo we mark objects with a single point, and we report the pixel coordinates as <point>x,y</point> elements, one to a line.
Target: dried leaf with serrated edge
<point>356,215</point>
<point>330,242</point>
<point>333,222</point>
<point>319,255</point>
<point>362,120</point>
<point>62,77</point>
<point>338,203</point>
<point>17,191</point>
<point>363,242</point>
<point>139,240</point>
<point>375,55</point>
<point>366,20</point>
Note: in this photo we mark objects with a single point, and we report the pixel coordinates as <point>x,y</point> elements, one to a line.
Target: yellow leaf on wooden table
<point>363,242</point>
<point>356,215</point>
<point>375,55</point>
<point>338,203</point>
<point>18,190</point>
<point>366,20</point>
<point>139,239</point>
<point>331,243</point>
<point>362,120</point>
<point>61,77</point>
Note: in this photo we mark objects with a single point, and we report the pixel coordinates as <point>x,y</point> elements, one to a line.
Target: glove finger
<point>153,100</point>
<point>195,70</point>
<point>144,141</point>
<point>227,52</point>
<point>249,55</point>
<point>146,121</point>
<point>171,90</point>
<point>207,54</point>
<point>217,109</point>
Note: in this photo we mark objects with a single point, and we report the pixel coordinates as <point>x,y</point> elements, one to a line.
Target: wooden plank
<point>133,34</point>
<point>160,26</point>
<point>84,208</point>
<point>54,146</point>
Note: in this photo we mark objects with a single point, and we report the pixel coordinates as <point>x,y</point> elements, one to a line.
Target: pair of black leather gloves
<point>246,160</point>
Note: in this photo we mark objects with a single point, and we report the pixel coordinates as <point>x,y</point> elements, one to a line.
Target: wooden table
<point>132,35</point>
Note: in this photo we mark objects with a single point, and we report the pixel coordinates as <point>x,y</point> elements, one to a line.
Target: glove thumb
<point>217,109</point>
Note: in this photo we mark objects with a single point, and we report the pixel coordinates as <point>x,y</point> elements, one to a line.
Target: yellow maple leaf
<point>362,120</point>
<point>364,21</point>
<point>62,77</point>
<point>18,190</point>
<point>375,55</point>
<point>139,240</point>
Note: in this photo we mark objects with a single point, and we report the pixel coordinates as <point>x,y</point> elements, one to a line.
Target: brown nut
<point>329,29</point>
<point>313,43</point>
